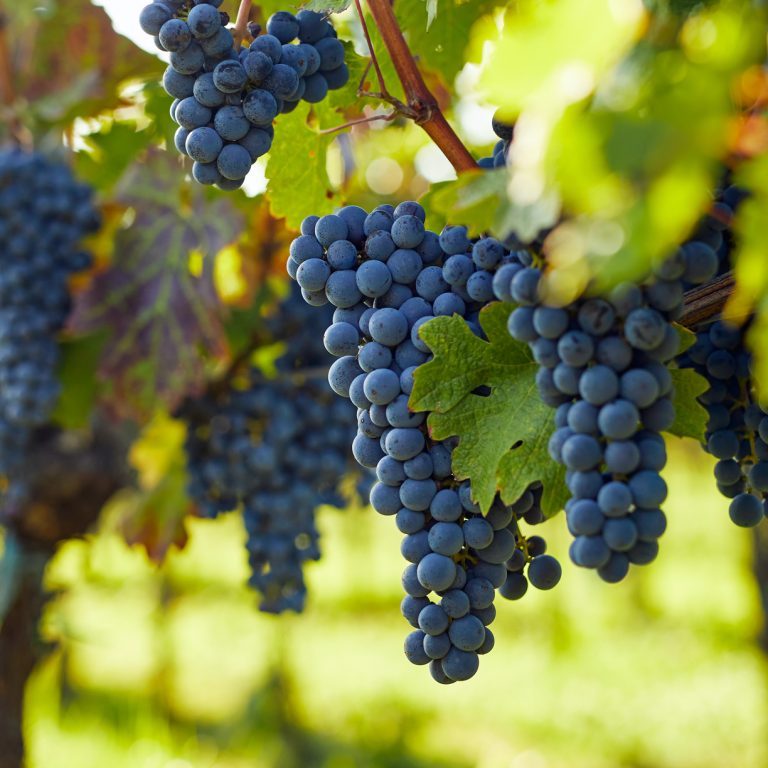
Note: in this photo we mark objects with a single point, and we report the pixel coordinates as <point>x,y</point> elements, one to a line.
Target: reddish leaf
<point>155,519</point>
<point>158,316</point>
<point>69,61</point>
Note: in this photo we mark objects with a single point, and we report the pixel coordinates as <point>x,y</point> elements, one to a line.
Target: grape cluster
<point>604,365</point>
<point>277,449</point>
<point>44,215</point>
<point>505,132</point>
<point>226,99</point>
<point>737,431</point>
<point>386,275</point>
<point>714,232</point>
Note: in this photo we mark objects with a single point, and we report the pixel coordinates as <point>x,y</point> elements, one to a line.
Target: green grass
<point>175,668</point>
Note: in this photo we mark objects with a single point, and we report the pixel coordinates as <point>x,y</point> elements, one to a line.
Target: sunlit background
<point>176,669</point>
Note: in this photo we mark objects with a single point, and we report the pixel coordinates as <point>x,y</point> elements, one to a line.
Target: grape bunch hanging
<point>44,215</point>
<point>227,96</point>
<point>275,448</point>
<point>737,430</point>
<point>386,275</point>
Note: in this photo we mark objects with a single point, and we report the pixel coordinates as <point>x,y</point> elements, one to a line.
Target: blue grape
<point>746,510</point>
<point>175,35</point>
<point>436,572</point>
<point>373,278</point>
<point>544,572</point>
<point>341,289</point>
<point>337,78</point>
<point>467,633</point>
<point>414,472</point>
<point>433,620</point>
<point>229,76</point>
<point>232,124</point>
<point>283,25</point>
<point>189,61</point>
<point>615,569</point>
<point>257,142</point>
<point>204,21</point>
<point>152,18</point>
<point>373,356</point>
<point>331,53</point>
<point>279,517</point>
<point>341,339</point>
<point>598,385</point>
<point>414,648</point>
<point>258,66</point>
<point>445,538</point>
<point>259,107</point>
<point>436,647</point>
<point>478,533</point>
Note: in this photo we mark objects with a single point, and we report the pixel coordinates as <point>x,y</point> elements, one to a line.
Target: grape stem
<point>360,121</point>
<point>421,105</point>
<point>374,58</point>
<point>383,93</point>
<point>241,24</point>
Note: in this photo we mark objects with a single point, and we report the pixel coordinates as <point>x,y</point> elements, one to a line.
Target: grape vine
<point>619,154</point>
<point>227,97</point>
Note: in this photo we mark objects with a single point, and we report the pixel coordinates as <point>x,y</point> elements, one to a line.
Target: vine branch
<point>374,58</point>
<point>361,121</point>
<point>707,301</point>
<point>241,24</point>
<point>421,103</point>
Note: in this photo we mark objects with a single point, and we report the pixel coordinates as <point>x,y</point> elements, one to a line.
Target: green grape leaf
<point>479,200</point>
<point>540,41</point>
<point>79,382</point>
<point>71,61</point>
<point>111,151</point>
<point>328,6</point>
<point>687,338</point>
<point>642,162</point>
<point>690,415</point>
<point>473,199</point>
<point>156,302</point>
<point>503,437</point>
<point>298,180</point>
<point>438,32</point>
<point>299,183</point>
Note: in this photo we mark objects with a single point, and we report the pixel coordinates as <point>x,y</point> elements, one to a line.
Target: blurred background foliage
<point>172,667</point>
<point>156,656</point>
